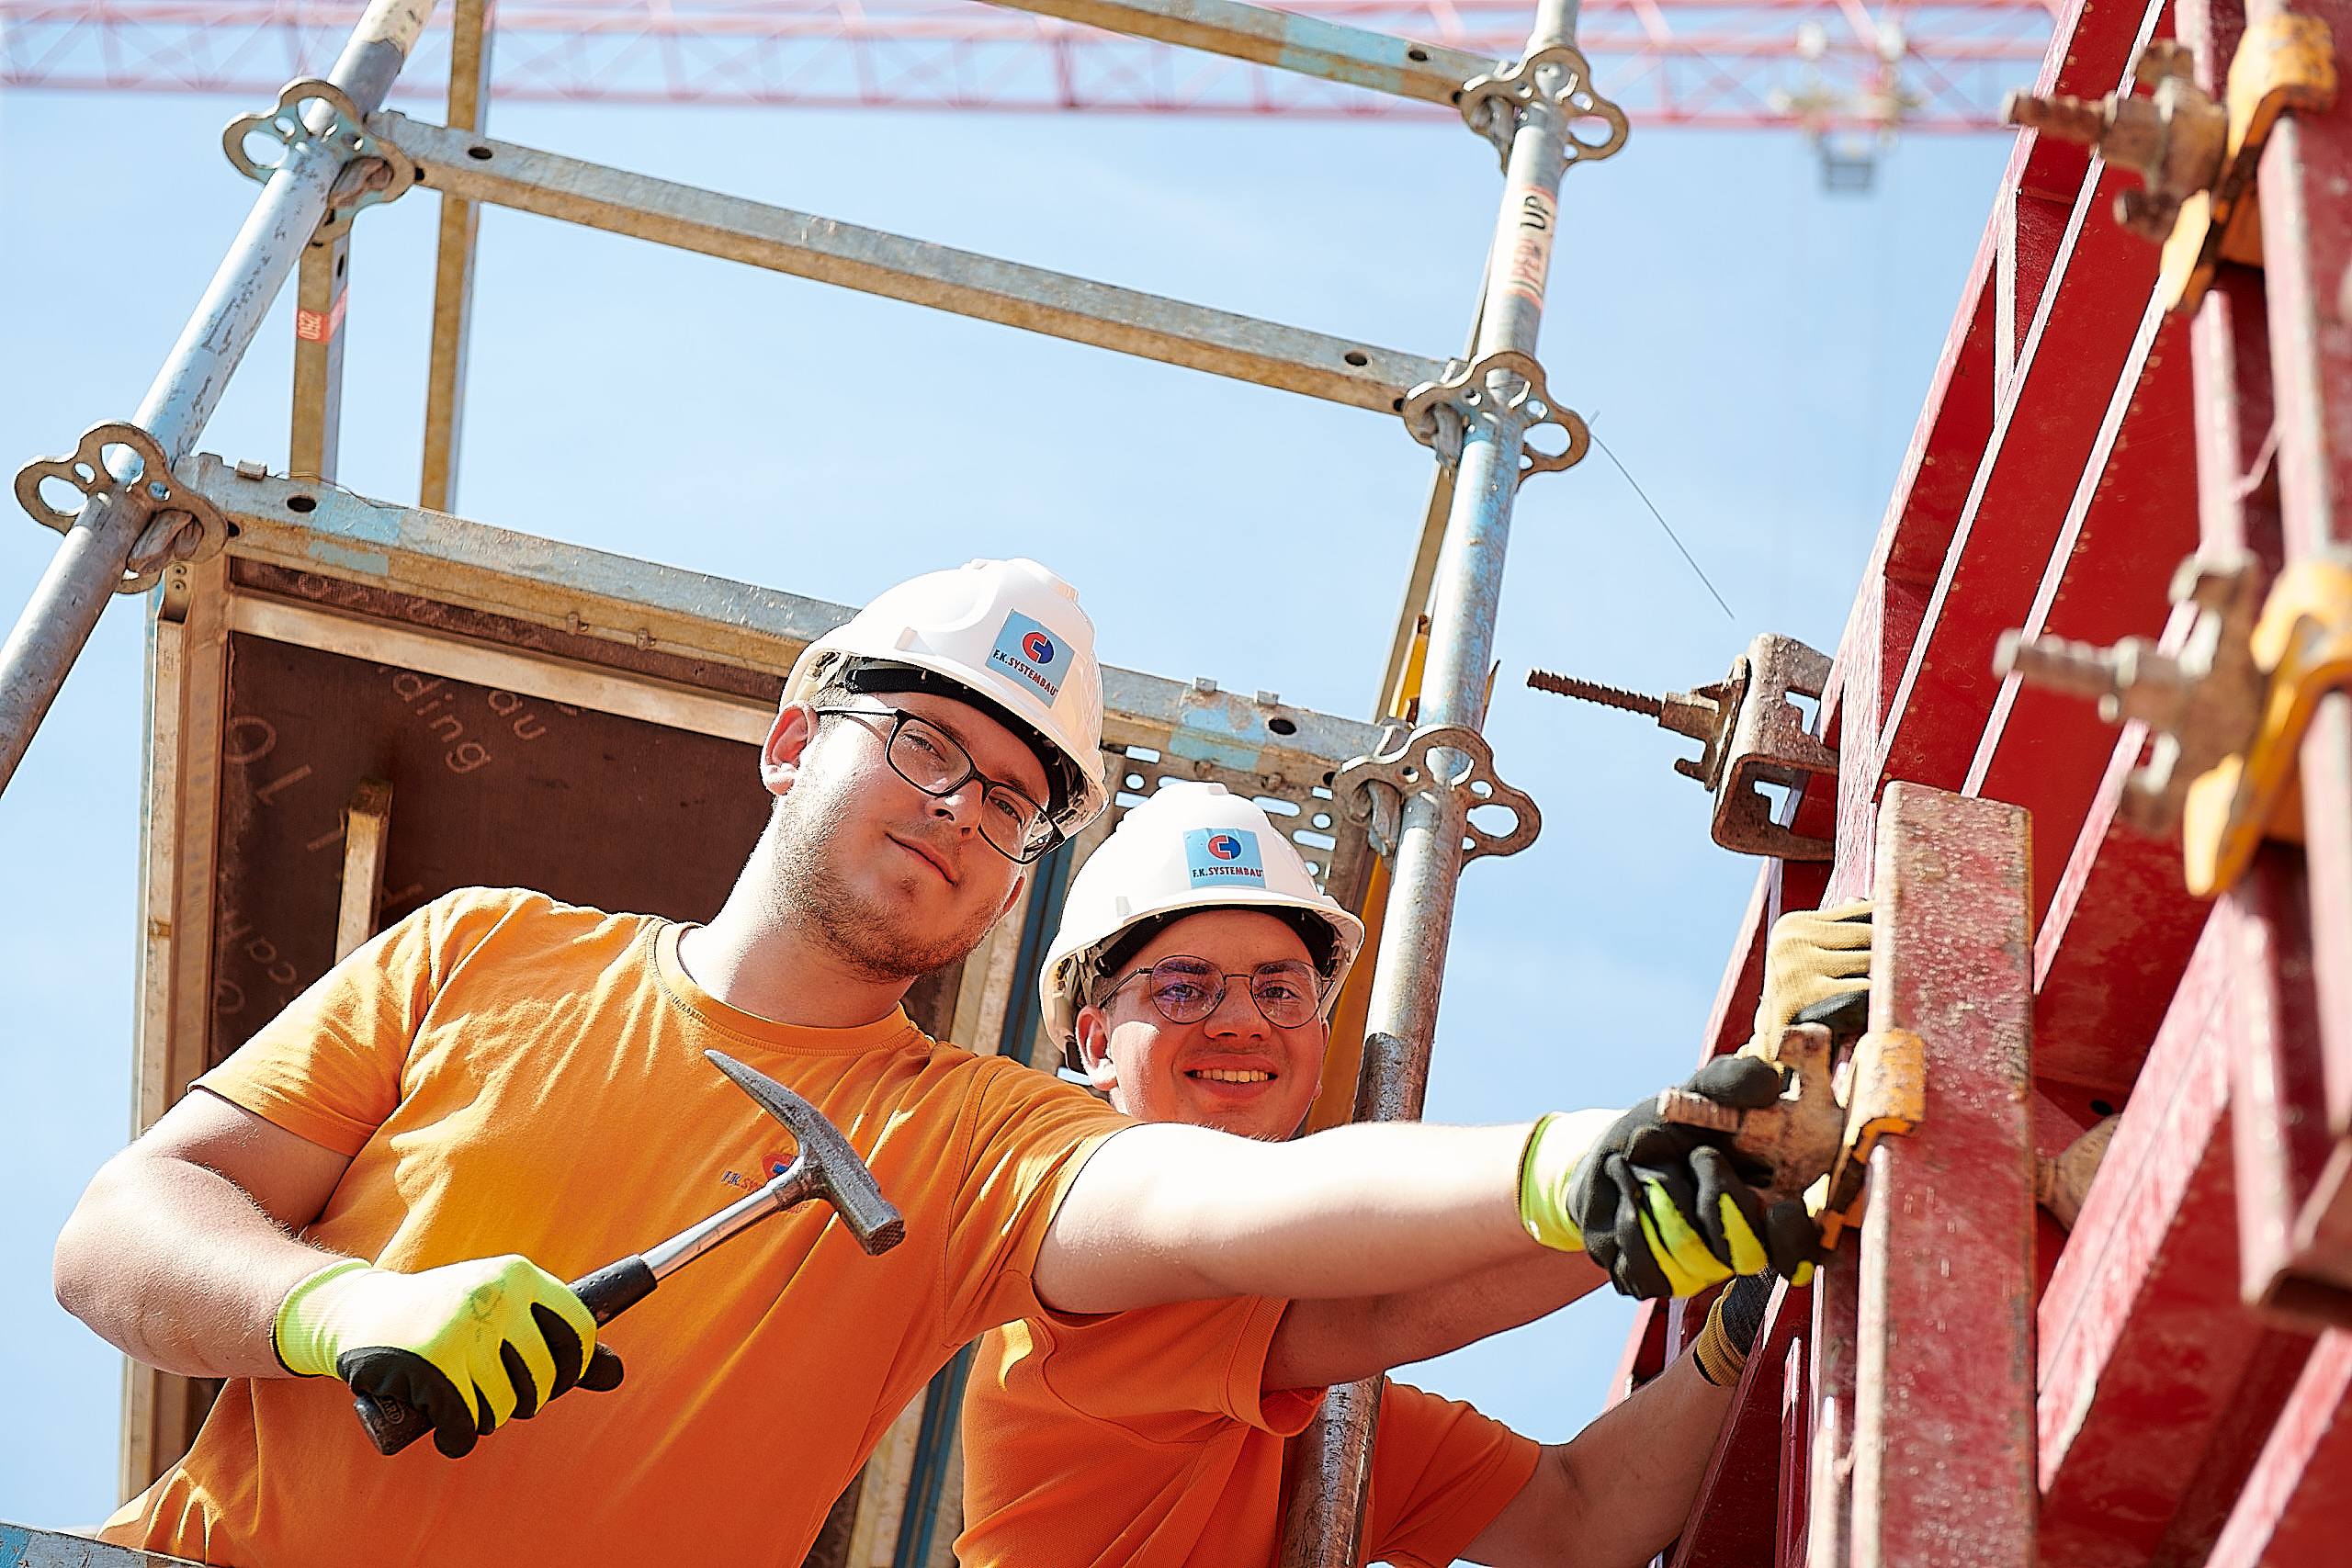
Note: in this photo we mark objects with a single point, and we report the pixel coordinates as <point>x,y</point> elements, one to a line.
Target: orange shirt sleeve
<point>1138,1369</point>
<point>329,1067</point>
<point>1440,1473</point>
<point>1028,1134</point>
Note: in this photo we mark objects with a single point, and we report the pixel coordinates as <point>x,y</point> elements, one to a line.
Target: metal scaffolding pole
<point>1490,411</point>
<point>133,519</point>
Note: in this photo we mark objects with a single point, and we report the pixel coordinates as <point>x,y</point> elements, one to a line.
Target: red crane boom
<point>1814,64</point>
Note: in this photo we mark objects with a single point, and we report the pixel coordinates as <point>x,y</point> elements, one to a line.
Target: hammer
<point>824,1166</point>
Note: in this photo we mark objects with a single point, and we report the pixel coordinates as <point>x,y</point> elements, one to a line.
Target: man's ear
<point>1094,1049</point>
<point>788,738</point>
<point>1019,883</point>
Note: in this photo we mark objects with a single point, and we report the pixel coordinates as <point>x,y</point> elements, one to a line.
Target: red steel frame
<point>2172,1381</point>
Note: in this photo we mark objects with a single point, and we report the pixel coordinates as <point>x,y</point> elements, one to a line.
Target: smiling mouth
<point>1228,1074</point>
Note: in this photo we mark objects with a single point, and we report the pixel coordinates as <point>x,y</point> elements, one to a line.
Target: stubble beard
<point>864,934</point>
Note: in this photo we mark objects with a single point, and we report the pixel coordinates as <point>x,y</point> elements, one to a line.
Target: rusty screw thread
<point>1594,692</point>
<point>2079,120</point>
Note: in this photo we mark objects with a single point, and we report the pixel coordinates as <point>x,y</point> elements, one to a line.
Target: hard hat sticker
<point>1027,651</point>
<point>1224,856</point>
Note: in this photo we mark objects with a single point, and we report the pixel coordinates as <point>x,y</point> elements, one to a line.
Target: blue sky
<point>1753,349</point>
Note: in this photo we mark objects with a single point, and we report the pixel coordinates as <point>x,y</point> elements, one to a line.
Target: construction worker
<point>388,1184</point>
<point>1191,981</point>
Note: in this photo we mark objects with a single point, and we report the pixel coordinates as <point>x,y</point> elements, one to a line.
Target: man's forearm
<point>1326,1342</point>
<point>1613,1496</point>
<point>177,1266</point>
<point>1168,1212</point>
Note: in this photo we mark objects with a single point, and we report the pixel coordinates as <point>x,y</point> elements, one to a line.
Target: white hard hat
<point>1190,846</point>
<point>1006,637</point>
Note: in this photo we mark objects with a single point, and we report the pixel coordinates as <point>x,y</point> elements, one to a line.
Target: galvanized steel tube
<point>82,576</point>
<point>1324,1527</point>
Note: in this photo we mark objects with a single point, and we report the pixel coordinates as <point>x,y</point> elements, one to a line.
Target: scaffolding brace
<point>327,150</point>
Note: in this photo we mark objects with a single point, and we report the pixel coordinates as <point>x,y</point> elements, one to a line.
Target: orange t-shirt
<point>1142,1441</point>
<point>511,1075</point>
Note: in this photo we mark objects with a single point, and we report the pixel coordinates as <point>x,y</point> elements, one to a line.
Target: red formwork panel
<point>2177,1395</point>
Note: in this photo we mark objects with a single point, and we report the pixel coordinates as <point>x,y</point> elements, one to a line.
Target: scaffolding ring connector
<point>364,152</point>
<point>176,523</point>
<point>1410,769</point>
<point>1465,395</point>
<point>1490,105</point>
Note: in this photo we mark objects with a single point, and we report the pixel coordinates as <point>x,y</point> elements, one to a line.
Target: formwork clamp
<point>2197,156</point>
<point>176,523</point>
<point>1373,790</point>
<point>2230,704</point>
<point>374,170</point>
<point>1883,1088</point>
<point>2302,645</point>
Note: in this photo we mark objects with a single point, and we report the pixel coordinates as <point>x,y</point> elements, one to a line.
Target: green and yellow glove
<point>1813,955</point>
<point>470,1345</point>
<point>1666,1209</point>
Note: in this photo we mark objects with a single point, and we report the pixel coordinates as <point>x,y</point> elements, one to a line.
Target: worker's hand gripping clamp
<point>1842,1090</point>
<point>825,1166</point>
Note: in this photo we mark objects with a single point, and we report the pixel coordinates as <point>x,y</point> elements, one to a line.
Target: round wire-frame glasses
<point>1289,993</point>
<point>935,762</point>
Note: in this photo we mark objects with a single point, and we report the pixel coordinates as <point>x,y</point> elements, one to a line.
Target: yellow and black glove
<point>470,1345</point>
<point>1668,1210</point>
<point>1814,956</point>
<point>1732,1323</point>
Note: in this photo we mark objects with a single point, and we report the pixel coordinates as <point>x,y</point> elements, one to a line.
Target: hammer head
<point>841,1176</point>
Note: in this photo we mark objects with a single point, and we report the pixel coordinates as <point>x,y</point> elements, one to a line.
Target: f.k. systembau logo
<point>1224,857</point>
<point>1027,651</point>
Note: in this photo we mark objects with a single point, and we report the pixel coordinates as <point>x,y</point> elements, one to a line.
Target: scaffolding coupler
<point>1453,765</point>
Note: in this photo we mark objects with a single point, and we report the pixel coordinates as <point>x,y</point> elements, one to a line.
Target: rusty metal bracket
<point>2284,63</point>
<point>374,171</point>
<point>1883,1090</point>
<point>1410,769</point>
<point>2202,701</point>
<point>1490,105</point>
<point>2303,646</point>
<point>1436,412</point>
<point>1750,734</point>
<point>2197,156</point>
<point>178,522</point>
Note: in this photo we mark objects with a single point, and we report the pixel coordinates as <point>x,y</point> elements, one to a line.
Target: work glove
<point>1732,1323</point>
<point>1668,1210</point>
<point>468,1345</point>
<point>1813,956</point>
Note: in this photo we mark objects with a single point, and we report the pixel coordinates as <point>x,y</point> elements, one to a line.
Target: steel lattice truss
<point>1818,65</point>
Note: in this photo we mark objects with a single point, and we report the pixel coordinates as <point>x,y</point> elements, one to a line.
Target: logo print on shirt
<point>1224,857</point>
<point>1025,654</point>
<point>772,1164</point>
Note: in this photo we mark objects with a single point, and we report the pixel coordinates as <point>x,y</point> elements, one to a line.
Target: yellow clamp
<point>1885,1093</point>
<point>2284,63</point>
<point>2303,644</point>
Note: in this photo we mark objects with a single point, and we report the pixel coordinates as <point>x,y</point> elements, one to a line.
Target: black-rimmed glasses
<point>1186,990</point>
<point>930,759</point>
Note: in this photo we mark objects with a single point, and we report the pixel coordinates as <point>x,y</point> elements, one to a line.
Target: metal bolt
<point>1594,692</point>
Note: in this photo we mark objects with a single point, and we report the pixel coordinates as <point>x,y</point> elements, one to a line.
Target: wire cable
<point>1662,523</point>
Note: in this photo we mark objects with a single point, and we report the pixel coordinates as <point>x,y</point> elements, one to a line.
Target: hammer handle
<point>393,1424</point>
